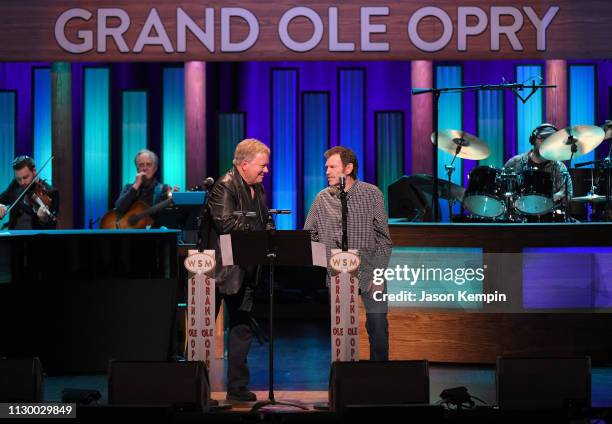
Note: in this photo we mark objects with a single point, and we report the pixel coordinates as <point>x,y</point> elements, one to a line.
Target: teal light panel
<point>352,113</point>
<point>173,138</point>
<point>231,132</point>
<point>96,143</point>
<point>531,114</point>
<point>450,114</point>
<point>42,121</point>
<point>8,107</point>
<point>581,99</point>
<point>491,125</point>
<point>284,145</point>
<point>389,149</point>
<point>315,127</point>
<point>450,117</point>
<point>134,130</point>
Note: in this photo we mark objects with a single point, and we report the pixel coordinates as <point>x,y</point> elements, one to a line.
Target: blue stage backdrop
<point>41,120</point>
<point>581,100</point>
<point>325,104</point>
<point>530,114</point>
<point>134,130</point>
<point>285,144</point>
<point>173,139</point>
<point>96,143</point>
<point>315,133</point>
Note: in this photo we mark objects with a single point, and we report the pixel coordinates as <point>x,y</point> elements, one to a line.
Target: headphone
<point>545,128</point>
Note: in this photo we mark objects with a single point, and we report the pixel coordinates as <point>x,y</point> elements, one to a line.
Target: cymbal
<point>471,146</point>
<point>591,198</point>
<point>558,147</point>
<point>424,183</point>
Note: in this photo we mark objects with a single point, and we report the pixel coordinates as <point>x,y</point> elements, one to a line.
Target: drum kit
<point>503,195</point>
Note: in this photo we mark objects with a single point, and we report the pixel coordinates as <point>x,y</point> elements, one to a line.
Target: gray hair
<point>147,152</point>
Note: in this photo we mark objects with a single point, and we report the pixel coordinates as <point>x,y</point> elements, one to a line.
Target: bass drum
<point>535,193</point>
<point>483,196</point>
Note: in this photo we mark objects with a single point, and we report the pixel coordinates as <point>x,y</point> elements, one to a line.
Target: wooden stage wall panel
<point>481,337</point>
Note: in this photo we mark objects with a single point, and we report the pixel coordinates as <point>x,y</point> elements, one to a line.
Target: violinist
<point>145,187</point>
<point>38,207</point>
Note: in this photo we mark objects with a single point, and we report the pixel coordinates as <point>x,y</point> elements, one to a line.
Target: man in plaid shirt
<point>368,232</point>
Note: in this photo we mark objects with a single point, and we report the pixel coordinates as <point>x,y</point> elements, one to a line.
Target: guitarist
<point>145,187</point>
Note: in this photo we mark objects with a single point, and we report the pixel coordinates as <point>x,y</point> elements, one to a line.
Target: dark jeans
<point>378,335</point>
<point>377,326</point>
<point>238,307</point>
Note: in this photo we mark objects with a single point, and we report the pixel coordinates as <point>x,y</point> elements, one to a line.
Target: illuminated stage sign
<point>266,30</point>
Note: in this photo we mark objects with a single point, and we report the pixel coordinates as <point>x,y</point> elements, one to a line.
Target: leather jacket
<point>231,193</point>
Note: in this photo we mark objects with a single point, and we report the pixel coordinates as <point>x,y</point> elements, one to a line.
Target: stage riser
<point>481,337</point>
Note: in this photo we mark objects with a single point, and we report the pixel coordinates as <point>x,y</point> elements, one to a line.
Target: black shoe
<point>243,395</point>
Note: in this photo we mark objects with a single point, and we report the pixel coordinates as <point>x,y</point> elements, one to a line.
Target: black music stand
<point>271,247</point>
<point>183,214</point>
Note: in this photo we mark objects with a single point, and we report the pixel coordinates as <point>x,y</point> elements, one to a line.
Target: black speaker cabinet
<point>183,385</point>
<point>21,380</point>
<point>543,383</point>
<point>378,383</point>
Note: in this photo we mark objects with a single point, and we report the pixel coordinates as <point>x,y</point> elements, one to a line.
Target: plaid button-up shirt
<point>367,226</point>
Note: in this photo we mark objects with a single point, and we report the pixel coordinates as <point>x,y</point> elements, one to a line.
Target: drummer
<point>533,159</point>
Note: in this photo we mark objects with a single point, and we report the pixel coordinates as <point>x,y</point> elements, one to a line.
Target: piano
<point>79,298</point>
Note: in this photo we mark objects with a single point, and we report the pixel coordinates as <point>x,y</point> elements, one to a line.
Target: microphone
<point>205,186</point>
<point>342,182</point>
<point>208,182</point>
<point>279,211</point>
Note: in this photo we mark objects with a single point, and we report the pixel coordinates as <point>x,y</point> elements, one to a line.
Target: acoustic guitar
<point>138,216</point>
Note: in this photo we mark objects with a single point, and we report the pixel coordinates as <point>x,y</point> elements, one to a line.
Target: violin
<point>37,196</point>
<point>40,197</point>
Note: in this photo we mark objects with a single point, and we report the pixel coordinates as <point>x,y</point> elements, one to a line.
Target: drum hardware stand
<point>571,141</point>
<point>436,92</point>
<point>607,162</point>
<point>449,172</point>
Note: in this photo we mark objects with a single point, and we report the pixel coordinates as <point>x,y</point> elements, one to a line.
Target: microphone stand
<point>271,255</point>
<point>344,211</point>
<point>203,219</point>
<point>436,92</point>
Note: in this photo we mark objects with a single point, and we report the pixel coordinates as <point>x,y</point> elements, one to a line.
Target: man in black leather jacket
<point>240,189</point>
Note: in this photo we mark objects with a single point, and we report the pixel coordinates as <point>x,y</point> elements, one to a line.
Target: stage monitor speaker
<point>21,380</point>
<point>407,201</point>
<point>543,383</point>
<point>183,385</point>
<point>378,383</point>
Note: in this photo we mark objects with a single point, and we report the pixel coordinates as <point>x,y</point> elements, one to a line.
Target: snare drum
<point>483,196</point>
<point>535,193</point>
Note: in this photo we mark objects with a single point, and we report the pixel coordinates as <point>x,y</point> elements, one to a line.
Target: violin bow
<point>36,178</point>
